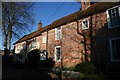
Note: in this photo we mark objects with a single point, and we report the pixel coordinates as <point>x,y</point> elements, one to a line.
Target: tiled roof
<point>29,36</point>
<point>93,9</point>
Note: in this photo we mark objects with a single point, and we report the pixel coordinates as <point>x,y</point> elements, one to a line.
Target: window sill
<point>57,60</point>
<point>85,28</point>
<point>57,39</point>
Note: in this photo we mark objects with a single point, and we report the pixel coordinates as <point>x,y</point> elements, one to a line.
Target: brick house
<point>88,34</point>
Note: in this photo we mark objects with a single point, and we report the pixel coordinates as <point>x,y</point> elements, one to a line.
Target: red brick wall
<point>71,45</point>
<point>102,35</point>
<point>101,42</point>
<point>42,45</point>
<point>51,43</point>
<point>73,50</point>
<point>100,52</point>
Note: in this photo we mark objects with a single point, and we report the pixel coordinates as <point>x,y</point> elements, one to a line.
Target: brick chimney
<point>40,25</point>
<point>85,4</point>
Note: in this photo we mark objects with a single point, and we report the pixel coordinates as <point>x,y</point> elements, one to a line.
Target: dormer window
<point>85,24</point>
<point>113,17</point>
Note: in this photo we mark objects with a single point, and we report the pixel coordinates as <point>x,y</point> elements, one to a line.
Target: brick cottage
<point>91,33</point>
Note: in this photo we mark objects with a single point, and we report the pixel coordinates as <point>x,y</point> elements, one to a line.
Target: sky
<point>0,25</point>
<point>48,12</point>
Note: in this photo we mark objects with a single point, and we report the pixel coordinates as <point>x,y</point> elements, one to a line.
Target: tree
<point>16,20</point>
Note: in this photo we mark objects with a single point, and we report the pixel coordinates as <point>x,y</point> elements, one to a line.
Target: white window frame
<point>44,39</point>
<point>56,32</point>
<point>33,43</point>
<point>83,26</point>
<point>19,47</point>
<point>111,54</point>
<point>108,17</point>
<point>31,47</point>
<point>43,56</point>
<point>56,53</point>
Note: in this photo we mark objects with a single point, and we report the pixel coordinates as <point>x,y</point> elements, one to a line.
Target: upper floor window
<point>58,33</point>
<point>33,43</point>
<point>43,39</point>
<point>115,49</point>
<point>58,53</point>
<point>85,24</point>
<point>19,47</point>
<point>113,17</point>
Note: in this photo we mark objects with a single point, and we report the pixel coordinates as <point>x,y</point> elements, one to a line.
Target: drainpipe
<point>60,77</point>
<point>26,52</point>
<point>47,44</point>
<point>91,36</point>
<point>84,42</point>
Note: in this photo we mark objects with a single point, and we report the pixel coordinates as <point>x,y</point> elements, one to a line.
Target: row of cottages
<point>92,33</point>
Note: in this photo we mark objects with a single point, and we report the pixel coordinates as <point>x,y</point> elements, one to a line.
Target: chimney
<point>40,25</point>
<point>85,4</point>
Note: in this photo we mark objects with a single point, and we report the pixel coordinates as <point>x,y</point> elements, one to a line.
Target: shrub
<point>33,57</point>
<point>48,63</point>
<point>91,77</point>
<point>86,68</point>
<point>68,68</point>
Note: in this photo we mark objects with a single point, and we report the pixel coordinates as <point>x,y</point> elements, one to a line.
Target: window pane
<point>58,53</point>
<point>33,43</point>
<point>42,55</point>
<point>44,39</point>
<point>58,33</point>
<point>85,24</point>
<point>114,17</point>
<point>116,49</point>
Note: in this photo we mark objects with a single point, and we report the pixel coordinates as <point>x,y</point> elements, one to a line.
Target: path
<point>9,72</point>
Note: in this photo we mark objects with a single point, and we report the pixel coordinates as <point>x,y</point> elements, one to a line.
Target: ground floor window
<point>115,49</point>
<point>58,53</point>
<point>43,55</point>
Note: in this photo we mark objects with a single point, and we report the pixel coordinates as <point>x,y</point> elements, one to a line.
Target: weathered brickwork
<point>71,45</point>
<point>51,43</point>
<point>77,44</point>
<point>43,45</point>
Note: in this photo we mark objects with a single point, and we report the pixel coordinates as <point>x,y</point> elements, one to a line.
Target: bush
<point>49,63</point>
<point>33,57</point>
<point>68,68</point>
<point>86,68</point>
<point>92,77</point>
